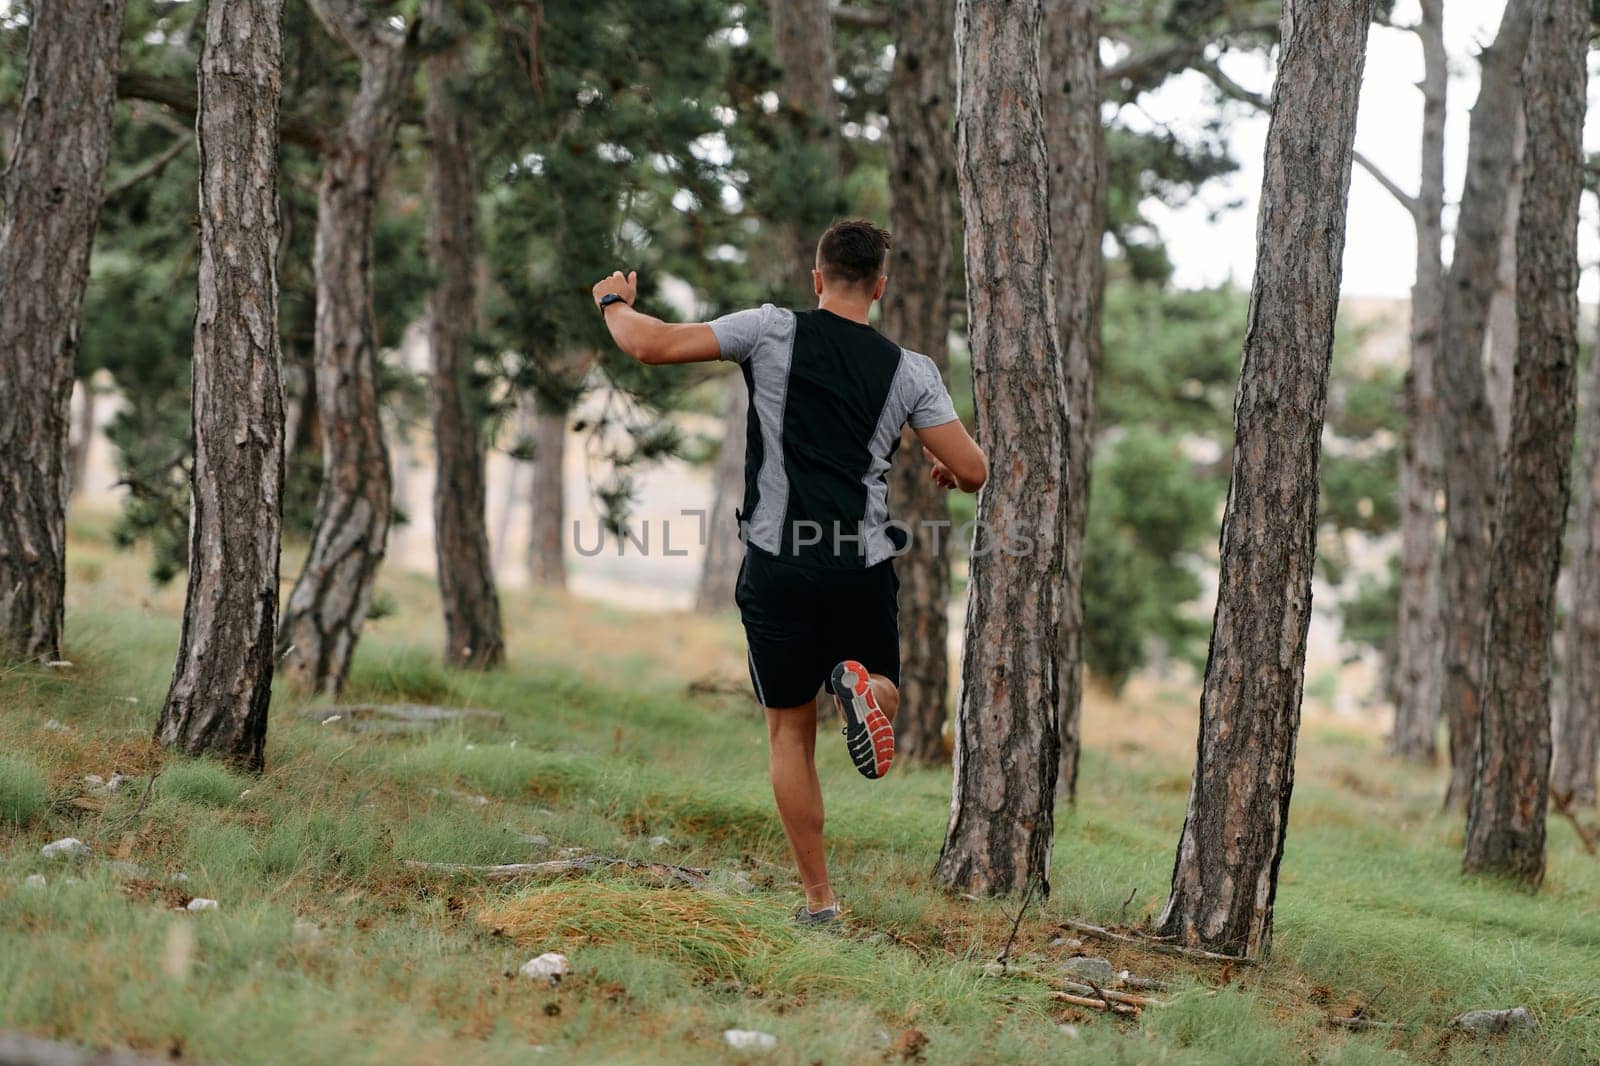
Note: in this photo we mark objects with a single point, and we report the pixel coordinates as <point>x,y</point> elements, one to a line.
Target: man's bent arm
<point>955,453</point>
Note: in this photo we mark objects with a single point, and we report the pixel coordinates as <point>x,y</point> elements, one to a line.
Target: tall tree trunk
<point>724,550</point>
<point>916,314</point>
<point>1417,675</point>
<point>329,603</point>
<point>1226,874</point>
<point>1006,753</point>
<point>1576,724</point>
<point>1510,788</point>
<point>802,43</point>
<point>473,636</point>
<point>1471,459</point>
<point>1075,139</point>
<point>1500,357</point>
<point>547,565</point>
<point>222,683</point>
<point>50,198</point>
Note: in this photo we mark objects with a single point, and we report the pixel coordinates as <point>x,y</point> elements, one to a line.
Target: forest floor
<point>326,947</point>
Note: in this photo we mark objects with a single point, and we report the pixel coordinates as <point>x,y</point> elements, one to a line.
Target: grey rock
<point>1091,968</point>
<point>65,848</point>
<point>1490,1022</point>
<point>34,881</point>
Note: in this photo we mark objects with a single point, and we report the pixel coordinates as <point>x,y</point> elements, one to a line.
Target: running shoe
<point>868,734</point>
<point>807,917</point>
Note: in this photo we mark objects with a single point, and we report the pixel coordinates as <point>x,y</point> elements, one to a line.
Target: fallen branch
<point>1081,989</point>
<point>1096,1004</point>
<point>689,875</point>
<point>1155,945</point>
<point>1562,801</point>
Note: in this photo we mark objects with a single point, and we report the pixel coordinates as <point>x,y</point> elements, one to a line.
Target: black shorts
<point>800,622</point>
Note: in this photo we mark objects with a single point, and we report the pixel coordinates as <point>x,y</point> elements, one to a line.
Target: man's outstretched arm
<point>647,338</point>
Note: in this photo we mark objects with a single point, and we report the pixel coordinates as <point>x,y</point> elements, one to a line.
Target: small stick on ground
<point>1080,989</point>
<point>689,875</point>
<point>1016,923</point>
<point>1122,915</point>
<point>1096,1004</point>
<point>1155,945</point>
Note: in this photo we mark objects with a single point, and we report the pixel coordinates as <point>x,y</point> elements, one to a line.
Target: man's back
<point>829,397</point>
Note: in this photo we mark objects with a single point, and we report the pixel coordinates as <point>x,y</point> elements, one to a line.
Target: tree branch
<point>1407,201</point>
<point>180,97</point>
<point>1147,69</point>
<point>1230,88</point>
<point>153,166</point>
<point>353,23</point>
<point>860,17</point>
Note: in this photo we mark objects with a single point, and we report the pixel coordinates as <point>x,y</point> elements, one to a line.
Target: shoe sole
<point>868,733</point>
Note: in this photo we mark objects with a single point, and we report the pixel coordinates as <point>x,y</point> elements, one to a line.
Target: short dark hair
<point>852,252</point>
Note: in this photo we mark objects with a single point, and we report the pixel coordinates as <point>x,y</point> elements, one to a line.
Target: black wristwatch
<point>611,298</point>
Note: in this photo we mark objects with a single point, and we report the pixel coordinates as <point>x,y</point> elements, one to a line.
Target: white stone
<point>659,842</point>
<point>94,781</point>
<point>34,881</point>
<point>1069,1031</point>
<point>749,1040</point>
<point>549,967</point>
<point>65,848</point>
<point>201,904</point>
<point>55,726</point>
<point>332,718</point>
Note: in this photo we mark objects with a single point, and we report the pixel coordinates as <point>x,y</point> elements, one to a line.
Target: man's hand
<point>625,287</point>
<point>940,473</point>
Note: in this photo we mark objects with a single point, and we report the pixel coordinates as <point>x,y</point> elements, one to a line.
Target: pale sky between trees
<point>1380,250</point>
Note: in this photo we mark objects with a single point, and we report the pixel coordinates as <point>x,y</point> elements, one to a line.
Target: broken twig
<point>1155,945</point>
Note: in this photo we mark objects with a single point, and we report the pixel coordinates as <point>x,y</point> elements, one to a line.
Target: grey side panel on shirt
<point>769,360</point>
<point>896,408</point>
<point>927,400</point>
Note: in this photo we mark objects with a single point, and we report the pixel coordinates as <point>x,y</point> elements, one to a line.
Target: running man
<point>829,396</point>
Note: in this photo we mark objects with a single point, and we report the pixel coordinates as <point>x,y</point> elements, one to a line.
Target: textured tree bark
<point>329,603</point>
<point>1006,749</point>
<point>719,573</point>
<point>1417,675</point>
<point>50,193</point>
<point>1075,139</point>
<point>916,315</point>
<point>1470,455</point>
<point>1510,788</point>
<point>802,42</point>
<point>1226,874</point>
<point>222,683</point>
<point>1576,721</point>
<point>473,636</point>
<point>547,565</point>
<point>1501,356</point>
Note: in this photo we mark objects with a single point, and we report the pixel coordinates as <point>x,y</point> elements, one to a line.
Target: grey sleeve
<point>739,333</point>
<point>929,403</point>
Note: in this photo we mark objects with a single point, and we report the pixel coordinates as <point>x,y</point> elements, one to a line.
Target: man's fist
<point>940,473</point>
<point>625,287</point>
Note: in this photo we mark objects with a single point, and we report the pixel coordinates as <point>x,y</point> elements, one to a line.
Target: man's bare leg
<point>792,739</point>
<point>886,693</point>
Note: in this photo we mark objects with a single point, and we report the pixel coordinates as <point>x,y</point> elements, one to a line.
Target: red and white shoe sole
<point>869,735</point>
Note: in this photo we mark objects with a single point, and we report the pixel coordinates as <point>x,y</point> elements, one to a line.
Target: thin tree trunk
<point>1075,138</point>
<point>1510,788</point>
<point>473,635</point>
<point>916,315</point>
<point>1467,428</point>
<point>222,684</point>
<point>1417,674</point>
<point>1226,874</point>
<point>724,549</point>
<point>50,198</point>
<point>1576,724</point>
<point>78,450</point>
<point>1501,347</point>
<point>329,603</point>
<point>1006,752</point>
<point>547,502</point>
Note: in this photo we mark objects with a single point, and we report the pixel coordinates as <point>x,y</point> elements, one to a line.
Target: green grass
<point>327,947</point>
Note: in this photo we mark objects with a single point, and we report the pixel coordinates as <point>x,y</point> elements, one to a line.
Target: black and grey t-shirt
<point>828,398</point>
